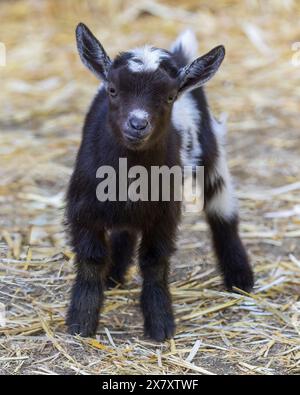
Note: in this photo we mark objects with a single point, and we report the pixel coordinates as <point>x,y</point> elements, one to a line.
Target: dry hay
<point>44,94</point>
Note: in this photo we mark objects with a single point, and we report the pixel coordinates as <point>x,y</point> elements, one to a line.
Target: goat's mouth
<point>135,140</point>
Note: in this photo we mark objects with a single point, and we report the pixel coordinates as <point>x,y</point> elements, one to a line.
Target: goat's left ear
<point>201,70</point>
<point>91,52</point>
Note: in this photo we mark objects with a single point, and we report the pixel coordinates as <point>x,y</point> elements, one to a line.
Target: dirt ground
<point>45,92</point>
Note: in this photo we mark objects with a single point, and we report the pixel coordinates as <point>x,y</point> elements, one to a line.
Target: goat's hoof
<point>160,330</point>
<point>83,325</point>
<point>241,278</point>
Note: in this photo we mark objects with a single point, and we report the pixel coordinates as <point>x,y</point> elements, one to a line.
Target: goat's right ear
<point>91,52</point>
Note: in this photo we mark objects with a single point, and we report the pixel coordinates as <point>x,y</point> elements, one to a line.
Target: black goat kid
<point>151,110</point>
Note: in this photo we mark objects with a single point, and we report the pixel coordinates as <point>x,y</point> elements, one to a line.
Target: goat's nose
<point>138,123</point>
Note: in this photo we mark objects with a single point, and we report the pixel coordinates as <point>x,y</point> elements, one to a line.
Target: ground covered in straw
<point>44,94</point>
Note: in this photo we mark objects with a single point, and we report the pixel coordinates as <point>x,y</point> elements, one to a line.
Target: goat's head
<point>142,85</point>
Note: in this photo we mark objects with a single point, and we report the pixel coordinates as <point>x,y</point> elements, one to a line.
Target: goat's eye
<point>112,91</point>
<point>170,99</point>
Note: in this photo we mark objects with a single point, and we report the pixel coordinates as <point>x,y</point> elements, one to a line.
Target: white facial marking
<point>186,119</point>
<point>223,203</point>
<point>139,113</point>
<point>146,58</point>
<point>188,42</point>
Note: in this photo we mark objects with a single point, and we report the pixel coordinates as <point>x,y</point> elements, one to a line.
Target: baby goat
<point>151,109</point>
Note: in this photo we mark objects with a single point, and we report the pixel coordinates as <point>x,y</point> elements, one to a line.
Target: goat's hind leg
<point>222,216</point>
<point>87,291</point>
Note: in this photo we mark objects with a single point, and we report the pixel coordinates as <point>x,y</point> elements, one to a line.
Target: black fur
<point>104,234</point>
<point>123,245</point>
<point>231,254</point>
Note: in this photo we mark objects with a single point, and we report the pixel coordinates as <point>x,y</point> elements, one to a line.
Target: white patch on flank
<point>188,42</point>
<point>186,119</point>
<point>146,58</point>
<point>139,113</point>
<point>223,203</point>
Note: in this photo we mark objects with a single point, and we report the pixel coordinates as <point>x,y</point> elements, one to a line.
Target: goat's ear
<point>201,70</point>
<point>91,52</point>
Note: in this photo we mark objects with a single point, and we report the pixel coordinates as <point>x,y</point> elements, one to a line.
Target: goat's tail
<point>185,48</point>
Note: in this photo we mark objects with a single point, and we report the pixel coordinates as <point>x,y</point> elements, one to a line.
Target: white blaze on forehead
<point>139,113</point>
<point>186,119</point>
<point>146,58</point>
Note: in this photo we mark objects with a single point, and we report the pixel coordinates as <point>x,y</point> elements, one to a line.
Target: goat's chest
<point>137,214</point>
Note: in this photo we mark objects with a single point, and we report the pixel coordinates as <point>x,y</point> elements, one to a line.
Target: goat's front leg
<point>122,253</point>
<point>87,291</point>
<point>222,216</point>
<point>156,302</point>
